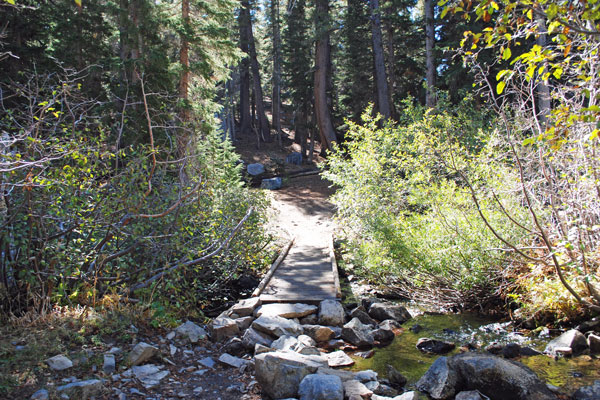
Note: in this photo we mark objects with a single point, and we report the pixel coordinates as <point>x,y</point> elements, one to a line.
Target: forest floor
<point>299,209</point>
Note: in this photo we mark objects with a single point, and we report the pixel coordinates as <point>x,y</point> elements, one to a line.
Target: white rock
<point>331,313</point>
<point>286,310</point>
<point>339,359</point>
<point>277,326</point>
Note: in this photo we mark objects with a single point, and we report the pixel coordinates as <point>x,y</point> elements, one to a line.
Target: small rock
<point>311,319</point>
<point>321,387</point>
<point>244,323</point>
<point>331,313</point>
<point>109,364</point>
<point>395,377</point>
<point>172,350</point>
<point>59,363</point>
<point>232,361</point>
<point>383,311</point>
<point>434,346</point>
<point>252,337</point>
<point>259,349</point>
<point>383,335</point>
<point>208,362</point>
<point>149,375</point>
<point>234,346</point>
<point>572,339</point>
<point>115,350</point>
<point>390,325</point>
<point>271,184</point>
<point>255,169</point>
<point>309,351</point>
<point>285,343</point>
<point>588,392</point>
<point>365,354</point>
<point>366,376</point>
<point>528,351</point>
<point>361,314</point>
<point>141,353</point>
<point>41,394</point>
<point>590,325</point>
<point>246,307</point>
<point>408,396</point>
<point>319,333</point>
<point>381,389</point>
<point>469,395</point>
<point>594,343</point>
<point>416,328</point>
<point>191,331</point>
<point>357,333</point>
<point>511,350</point>
<point>338,359</point>
<point>286,310</point>
<point>355,389</point>
<point>223,328</point>
<point>82,390</point>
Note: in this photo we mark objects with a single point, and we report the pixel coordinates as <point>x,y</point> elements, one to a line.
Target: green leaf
<point>506,54</point>
<point>78,2</point>
<point>557,72</point>
<point>500,87</point>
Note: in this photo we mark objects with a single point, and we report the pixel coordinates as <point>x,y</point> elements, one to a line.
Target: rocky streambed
<point>305,352</point>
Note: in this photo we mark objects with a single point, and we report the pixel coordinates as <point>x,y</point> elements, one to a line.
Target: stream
<point>566,373</point>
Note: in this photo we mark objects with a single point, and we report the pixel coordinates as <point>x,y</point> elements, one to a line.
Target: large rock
<point>361,314</point>
<point>355,390</point>
<point>277,326</point>
<point>191,331</point>
<point>271,183</point>
<point>383,311</point>
<point>331,313</point>
<point>59,362</point>
<point>223,328</point>
<point>338,359</point>
<point>572,339</point>
<point>498,378</point>
<point>319,333</point>
<point>469,395</point>
<point>439,381</point>
<point>255,169</point>
<point>285,343</point>
<point>149,375</point>
<point>588,392</point>
<point>342,374</point>
<point>434,346</point>
<point>280,373</point>
<point>594,343</point>
<point>383,335</point>
<point>244,323</point>
<point>141,353</point>
<point>321,387</point>
<point>357,333</point>
<point>395,377</point>
<point>286,310</point>
<point>245,307</point>
<point>83,389</point>
<point>409,396</point>
<point>252,337</point>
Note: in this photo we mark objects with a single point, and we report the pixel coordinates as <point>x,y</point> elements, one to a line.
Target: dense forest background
<point>462,137</point>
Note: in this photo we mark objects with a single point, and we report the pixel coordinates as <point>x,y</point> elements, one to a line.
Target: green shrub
<point>406,206</point>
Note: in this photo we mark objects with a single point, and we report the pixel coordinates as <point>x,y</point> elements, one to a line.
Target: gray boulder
<point>331,313</point>
<point>244,323</point>
<point>358,334</point>
<point>588,392</point>
<point>285,343</point>
<point>395,377</point>
<point>412,395</point>
<point>383,335</point>
<point>390,324</point>
<point>366,376</point>
<point>469,395</point>
<point>361,314</point>
<point>286,310</point>
<point>594,343</point>
<point>231,361</point>
<point>280,373</point>
<point>342,374</point>
<point>223,328</point>
<point>149,375</point>
<point>271,183</point>
<point>109,365</point>
<point>321,387</point>
<point>246,307</point>
<point>383,311</point>
<point>572,339</point>
<point>83,389</point>
<point>141,353</point>
<point>59,362</point>
<point>255,169</point>
<point>356,390</point>
<point>338,359</point>
<point>191,331</point>
<point>277,326</point>
<point>433,346</point>
<point>439,381</point>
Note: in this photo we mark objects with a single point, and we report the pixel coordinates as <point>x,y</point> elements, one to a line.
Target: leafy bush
<point>82,219</point>
<point>406,205</point>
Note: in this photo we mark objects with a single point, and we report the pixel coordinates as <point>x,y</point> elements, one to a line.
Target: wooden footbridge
<point>304,272</point>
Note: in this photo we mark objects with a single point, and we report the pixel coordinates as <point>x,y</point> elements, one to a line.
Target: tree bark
<point>322,55</point>
<point>430,99</point>
<point>245,118</point>
<point>185,69</point>
<point>263,122</point>
<point>383,94</point>
<point>391,57</point>
<point>276,98</point>
<point>542,89</point>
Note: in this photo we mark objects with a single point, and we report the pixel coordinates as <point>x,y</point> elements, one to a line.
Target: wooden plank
<point>273,268</point>
<point>334,269</point>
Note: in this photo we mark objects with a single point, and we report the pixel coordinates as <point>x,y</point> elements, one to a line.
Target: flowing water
<point>461,329</point>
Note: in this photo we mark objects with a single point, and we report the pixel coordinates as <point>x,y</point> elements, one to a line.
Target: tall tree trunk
<point>391,57</point>
<point>322,56</point>
<point>276,98</point>
<point>263,122</point>
<point>245,118</point>
<point>185,62</point>
<point>383,95</point>
<point>430,99</point>
<point>542,89</point>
